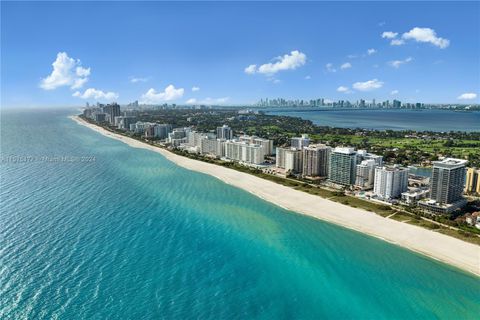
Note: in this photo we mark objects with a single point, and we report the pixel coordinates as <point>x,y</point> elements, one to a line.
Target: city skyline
<point>216,53</point>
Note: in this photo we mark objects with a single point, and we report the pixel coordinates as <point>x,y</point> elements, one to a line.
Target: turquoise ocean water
<point>133,236</point>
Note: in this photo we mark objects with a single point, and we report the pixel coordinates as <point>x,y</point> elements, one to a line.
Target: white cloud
<point>66,72</point>
<point>308,77</point>
<point>394,92</point>
<point>346,65</point>
<point>251,69</point>
<point>371,51</point>
<point>352,56</point>
<point>92,93</point>
<point>195,89</point>
<point>397,42</point>
<point>398,63</point>
<point>426,35</point>
<point>137,79</point>
<point>389,35</point>
<point>368,85</point>
<point>330,67</point>
<point>286,62</point>
<point>168,94</point>
<point>467,96</point>
<point>343,89</point>
<point>208,101</point>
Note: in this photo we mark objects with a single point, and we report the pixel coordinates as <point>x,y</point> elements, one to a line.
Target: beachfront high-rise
<point>111,110</point>
<point>472,184</point>
<point>448,180</point>
<point>289,159</point>
<point>315,160</point>
<point>224,132</point>
<point>365,174</point>
<point>446,186</point>
<point>266,144</point>
<point>244,152</point>
<point>300,142</point>
<point>390,182</point>
<point>342,166</point>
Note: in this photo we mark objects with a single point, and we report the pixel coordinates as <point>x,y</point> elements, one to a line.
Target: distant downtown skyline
<point>238,53</point>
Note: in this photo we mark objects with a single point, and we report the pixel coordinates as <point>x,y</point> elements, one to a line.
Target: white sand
<point>447,249</point>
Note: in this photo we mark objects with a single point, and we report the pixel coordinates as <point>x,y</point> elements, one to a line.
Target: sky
<point>70,53</point>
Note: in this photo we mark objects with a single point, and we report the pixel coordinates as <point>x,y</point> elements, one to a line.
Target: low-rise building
<point>411,197</point>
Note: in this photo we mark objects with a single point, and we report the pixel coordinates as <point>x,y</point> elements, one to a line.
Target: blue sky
<point>158,52</point>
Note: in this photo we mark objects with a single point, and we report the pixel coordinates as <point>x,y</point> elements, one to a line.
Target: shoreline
<point>449,250</point>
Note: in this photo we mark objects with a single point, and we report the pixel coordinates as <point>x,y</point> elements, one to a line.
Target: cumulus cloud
<point>343,89</point>
<point>251,69</point>
<point>426,35</point>
<point>330,68</point>
<point>191,101</point>
<point>66,72</point>
<point>346,65</point>
<point>92,93</point>
<point>194,89</point>
<point>286,62</point>
<point>168,94</point>
<point>394,92</point>
<point>398,63</point>
<point>389,35</point>
<point>308,77</point>
<point>467,96</point>
<point>371,51</point>
<point>368,85</point>
<point>397,42</point>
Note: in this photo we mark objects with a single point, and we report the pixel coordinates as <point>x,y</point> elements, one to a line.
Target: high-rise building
<point>365,174</point>
<point>244,152</point>
<point>300,142</point>
<point>390,182</point>
<point>162,130</point>
<point>472,184</point>
<point>280,157</point>
<point>448,180</point>
<point>315,160</point>
<point>266,144</point>
<point>364,155</point>
<point>342,166</point>
<point>397,104</point>
<point>293,160</point>
<point>111,110</point>
<point>124,122</point>
<point>446,186</point>
<point>224,132</point>
<point>178,136</point>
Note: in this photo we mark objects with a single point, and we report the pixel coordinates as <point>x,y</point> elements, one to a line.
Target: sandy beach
<point>455,252</point>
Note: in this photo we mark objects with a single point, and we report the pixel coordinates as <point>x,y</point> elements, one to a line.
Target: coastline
<point>452,251</point>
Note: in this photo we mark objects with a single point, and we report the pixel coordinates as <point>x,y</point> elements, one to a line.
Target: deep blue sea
<point>419,120</point>
<point>112,232</point>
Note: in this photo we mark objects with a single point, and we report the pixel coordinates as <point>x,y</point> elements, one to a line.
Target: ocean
<point>419,120</point>
<point>94,229</point>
